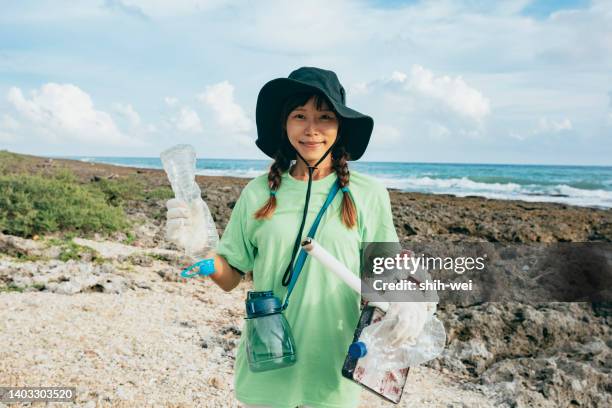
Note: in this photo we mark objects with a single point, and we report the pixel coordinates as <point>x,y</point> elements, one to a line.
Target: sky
<point>473,81</point>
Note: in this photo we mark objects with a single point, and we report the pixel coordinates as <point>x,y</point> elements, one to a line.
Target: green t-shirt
<point>323,311</point>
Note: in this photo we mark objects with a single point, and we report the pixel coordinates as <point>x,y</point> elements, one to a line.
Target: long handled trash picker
<point>384,370</point>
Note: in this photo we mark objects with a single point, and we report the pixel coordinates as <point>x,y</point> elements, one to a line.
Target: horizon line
<point>359,161</point>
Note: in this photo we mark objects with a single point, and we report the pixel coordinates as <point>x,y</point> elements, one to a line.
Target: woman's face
<point>311,132</point>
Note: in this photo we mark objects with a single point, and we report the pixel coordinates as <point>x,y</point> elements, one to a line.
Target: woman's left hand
<point>409,317</point>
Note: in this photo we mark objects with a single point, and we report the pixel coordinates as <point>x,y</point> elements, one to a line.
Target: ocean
<point>588,186</point>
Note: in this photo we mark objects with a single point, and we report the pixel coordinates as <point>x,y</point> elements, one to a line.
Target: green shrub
<point>33,204</point>
<point>120,190</point>
<point>160,193</point>
<point>11,288</point>
<point>130,238</point>
<point>10,162</point>
<point>71,250</point>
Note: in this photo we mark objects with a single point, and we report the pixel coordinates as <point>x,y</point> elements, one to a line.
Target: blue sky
<point>446,81</point>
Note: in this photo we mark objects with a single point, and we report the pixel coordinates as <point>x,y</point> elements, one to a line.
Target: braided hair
<point>281,164</point>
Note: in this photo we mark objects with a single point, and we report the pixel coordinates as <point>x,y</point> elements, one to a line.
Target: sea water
<point>589,186</point>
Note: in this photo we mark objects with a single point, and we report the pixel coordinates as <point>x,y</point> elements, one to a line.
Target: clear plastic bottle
<point>180,164</point>
<point>378,355</point>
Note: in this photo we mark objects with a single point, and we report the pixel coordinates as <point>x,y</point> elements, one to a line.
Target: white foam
<point>463,186</point>
<point>444,185</point>
<point>242,173</point>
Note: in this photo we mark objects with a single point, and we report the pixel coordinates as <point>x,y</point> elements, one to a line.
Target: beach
<point>114,319</point>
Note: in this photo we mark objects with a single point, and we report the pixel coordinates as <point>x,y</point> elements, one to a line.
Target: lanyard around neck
<point>299,264</point>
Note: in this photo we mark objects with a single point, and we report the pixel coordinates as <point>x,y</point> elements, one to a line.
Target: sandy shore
<point>126,331</point>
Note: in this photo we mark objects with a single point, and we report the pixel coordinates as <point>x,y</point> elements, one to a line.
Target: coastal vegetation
<point>54,199</point>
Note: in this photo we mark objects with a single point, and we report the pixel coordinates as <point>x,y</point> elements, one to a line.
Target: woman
<point>304,118</point>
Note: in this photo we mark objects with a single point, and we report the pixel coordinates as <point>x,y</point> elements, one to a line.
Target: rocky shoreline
<point>117,322</point>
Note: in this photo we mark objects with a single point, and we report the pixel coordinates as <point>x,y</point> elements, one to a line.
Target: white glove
<point>409,319</point>
<point>186,225</point>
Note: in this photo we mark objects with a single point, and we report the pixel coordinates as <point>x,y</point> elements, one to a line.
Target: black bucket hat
<point>356,127</point>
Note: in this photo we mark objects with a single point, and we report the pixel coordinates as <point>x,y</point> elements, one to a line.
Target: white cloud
<point>7,126</point>
<point>455,93</point>
<point>609,115</point>
<point>65,112</point>
<point>440,132</point>
<point>545,126</point>
<point>44,11</point>
<point>171,101</point>
<point>358,88</point>
<point>7,122</point>
<point>128,112</point>
<point>385,134</point>
<point>165,8</point>
<point>419,104</point>
<point>554,126</point>
<point>228,114</point>
<point>187,120</point>
<point>305,28</point>
<point>398,76</point>
<point>6,137</point>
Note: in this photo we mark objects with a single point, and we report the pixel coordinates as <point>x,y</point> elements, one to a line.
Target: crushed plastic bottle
<point>180,163</point>
<point>380,356</point>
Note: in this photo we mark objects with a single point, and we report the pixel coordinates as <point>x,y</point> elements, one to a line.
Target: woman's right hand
<point>186,224</point>
<point>186,227</point>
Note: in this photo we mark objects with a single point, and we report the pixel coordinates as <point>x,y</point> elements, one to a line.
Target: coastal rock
<point>546,355</point>
<point>548,382</point>
<point>132,313</point>
<point>26,248</point>
<point>66,278</point>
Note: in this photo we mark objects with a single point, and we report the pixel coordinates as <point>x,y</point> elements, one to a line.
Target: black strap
<point>313,229</point>
<point>296,245</point>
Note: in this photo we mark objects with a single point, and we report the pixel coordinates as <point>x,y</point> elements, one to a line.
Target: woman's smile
<point>311,131</point>
<point>312,145</point>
